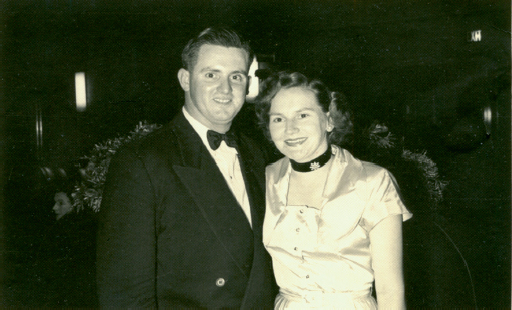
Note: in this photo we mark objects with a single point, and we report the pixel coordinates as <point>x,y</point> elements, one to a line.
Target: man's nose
<point>225,86</point>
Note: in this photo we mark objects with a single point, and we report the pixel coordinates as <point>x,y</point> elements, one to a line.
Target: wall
<point>407,64</point>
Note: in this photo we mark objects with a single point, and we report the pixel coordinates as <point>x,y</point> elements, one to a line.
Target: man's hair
<point>221,36</point>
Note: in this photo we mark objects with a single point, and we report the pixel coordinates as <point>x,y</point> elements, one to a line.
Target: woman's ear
<point>330,122</point>
<point>184,78</point>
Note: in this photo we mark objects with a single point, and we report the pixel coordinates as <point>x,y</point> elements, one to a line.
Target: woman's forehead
<point>294,98</point>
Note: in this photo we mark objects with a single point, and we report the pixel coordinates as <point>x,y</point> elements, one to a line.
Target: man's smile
<point>222,100</point>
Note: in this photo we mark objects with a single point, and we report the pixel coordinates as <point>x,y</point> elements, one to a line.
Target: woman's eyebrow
<point>297,111</point>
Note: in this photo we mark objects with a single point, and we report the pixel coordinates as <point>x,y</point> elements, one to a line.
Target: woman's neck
<point>306,188</point>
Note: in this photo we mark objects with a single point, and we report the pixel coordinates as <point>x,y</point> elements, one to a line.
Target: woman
<point>67,256</point>
<point>333,224</point>
<point>62,205</point>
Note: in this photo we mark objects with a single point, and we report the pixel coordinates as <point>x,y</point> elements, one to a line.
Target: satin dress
<point>321,257</point>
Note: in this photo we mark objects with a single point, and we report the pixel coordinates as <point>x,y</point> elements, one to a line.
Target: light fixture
<point>254,87</point>
<point>80,91</point>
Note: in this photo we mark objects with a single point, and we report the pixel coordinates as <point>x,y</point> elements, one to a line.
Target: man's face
<point>216,86</point>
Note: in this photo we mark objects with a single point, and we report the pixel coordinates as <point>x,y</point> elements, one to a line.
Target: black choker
<point>314,164</point>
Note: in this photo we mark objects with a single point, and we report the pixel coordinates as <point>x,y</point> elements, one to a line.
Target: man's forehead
<point>209,54</point>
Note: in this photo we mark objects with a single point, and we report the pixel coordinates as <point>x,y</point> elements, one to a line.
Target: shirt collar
<point>198,127</point>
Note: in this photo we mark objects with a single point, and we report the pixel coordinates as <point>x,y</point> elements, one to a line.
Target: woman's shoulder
<point>364,169</point>
<point>277,166</point>
<point>276,170</point>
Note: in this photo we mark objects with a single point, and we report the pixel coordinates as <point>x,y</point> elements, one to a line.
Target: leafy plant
<point>88,192</point>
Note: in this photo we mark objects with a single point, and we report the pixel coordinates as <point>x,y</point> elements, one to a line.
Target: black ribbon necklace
<point>314,164</point>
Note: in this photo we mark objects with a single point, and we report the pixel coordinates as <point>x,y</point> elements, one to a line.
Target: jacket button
<point>220,282</point>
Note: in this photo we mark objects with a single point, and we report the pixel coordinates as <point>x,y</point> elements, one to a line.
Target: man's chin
<point>225,119</point>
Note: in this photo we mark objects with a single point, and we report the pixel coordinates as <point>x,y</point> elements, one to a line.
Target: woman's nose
<point>291,126</point>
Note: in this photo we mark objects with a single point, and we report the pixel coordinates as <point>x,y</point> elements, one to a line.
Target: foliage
<point>88,192</point>
<point>416,173</point>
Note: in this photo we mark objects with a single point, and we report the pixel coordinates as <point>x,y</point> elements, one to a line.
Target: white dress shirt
<point>227,160</point>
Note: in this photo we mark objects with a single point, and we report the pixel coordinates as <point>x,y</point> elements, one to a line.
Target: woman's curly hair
<point>333,102</point>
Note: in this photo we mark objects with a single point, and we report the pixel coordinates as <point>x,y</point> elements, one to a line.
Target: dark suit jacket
<point>171,233</point>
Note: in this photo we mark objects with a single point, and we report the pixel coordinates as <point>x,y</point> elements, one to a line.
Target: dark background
<point>408,64</point>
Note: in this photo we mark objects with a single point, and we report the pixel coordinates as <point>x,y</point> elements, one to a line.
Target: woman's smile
<point>295,142</point>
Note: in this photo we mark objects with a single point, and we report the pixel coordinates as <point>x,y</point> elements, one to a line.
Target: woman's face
<point>298,126</point>
<point>62,204</point>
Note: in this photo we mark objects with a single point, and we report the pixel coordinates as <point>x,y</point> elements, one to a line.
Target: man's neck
<point>220,128</point>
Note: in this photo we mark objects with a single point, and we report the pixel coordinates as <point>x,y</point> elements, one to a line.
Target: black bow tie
<point>215,138</point>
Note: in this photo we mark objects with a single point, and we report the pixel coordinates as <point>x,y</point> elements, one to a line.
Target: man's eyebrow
<point>209,69</point>
<point>206,69</point>
<point>240,71</point>
<point>244,72</point>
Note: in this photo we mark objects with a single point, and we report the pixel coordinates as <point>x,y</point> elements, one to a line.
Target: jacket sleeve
<point>126,248</point>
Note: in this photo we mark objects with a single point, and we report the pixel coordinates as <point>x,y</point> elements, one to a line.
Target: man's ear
<point>249,79</point>
<point>184,78</point>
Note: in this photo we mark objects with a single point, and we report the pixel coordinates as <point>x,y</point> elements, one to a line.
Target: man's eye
<point>303,115</point>
<point>210,75</point>
<point>238,77</point>
<point>277,120</point>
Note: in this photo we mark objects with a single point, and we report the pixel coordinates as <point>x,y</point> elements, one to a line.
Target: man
<point>180,221</point>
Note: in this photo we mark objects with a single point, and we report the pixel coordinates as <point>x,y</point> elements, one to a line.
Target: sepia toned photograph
<point>255,154</point>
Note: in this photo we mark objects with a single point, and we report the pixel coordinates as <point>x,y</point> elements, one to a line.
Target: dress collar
<point>344,172</point>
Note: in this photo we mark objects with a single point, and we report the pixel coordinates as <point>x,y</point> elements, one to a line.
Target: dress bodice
<point>328,249</point>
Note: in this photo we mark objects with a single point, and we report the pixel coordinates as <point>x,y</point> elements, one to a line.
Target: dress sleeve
<point>384,199</point>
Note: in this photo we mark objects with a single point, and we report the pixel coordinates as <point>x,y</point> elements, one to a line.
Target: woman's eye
<point>303,115</point>
<point>277,120</point>
<point>237,77</point>
<point>210,75</point>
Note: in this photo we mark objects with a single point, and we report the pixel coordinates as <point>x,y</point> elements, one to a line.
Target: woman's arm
<point>386,251</point>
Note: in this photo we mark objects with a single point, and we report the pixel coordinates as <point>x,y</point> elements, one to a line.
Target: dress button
<point>295,248</point>
<point>297,230</point>
<point>220,282</point>
<point>307,276</point>
<point>301,211</point>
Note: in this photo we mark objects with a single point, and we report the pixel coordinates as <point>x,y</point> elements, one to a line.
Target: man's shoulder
<point>255,148</point>
<point>169,134</point>
<point>161,143</point>
<point>249,141</point>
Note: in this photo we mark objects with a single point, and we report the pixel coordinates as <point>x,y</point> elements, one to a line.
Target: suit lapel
<point>261,271</point>
<point>254,183</point>
<point>209,190</point>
